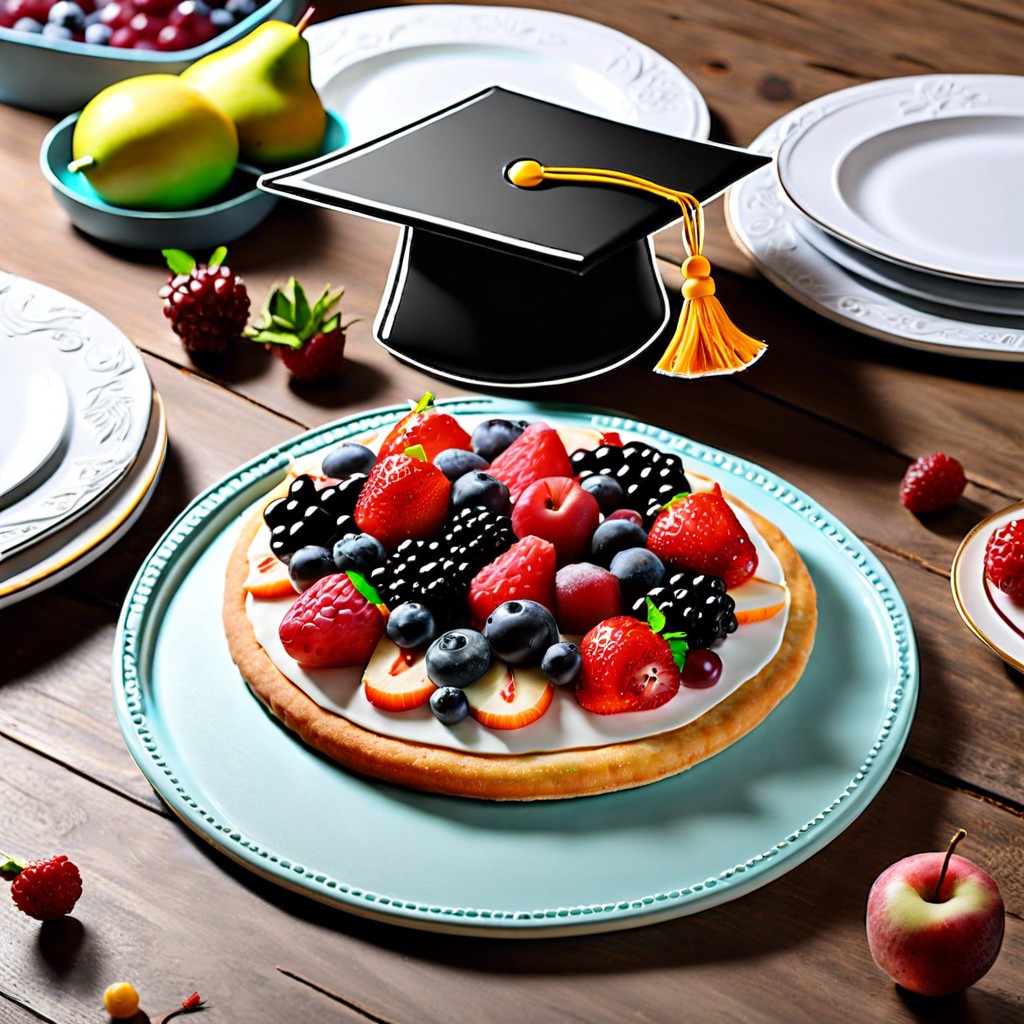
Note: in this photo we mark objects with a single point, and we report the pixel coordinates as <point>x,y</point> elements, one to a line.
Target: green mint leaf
<point>218,256</point>
<point>425,402</point>
<point>179,261</point>
<point>681,496</point>
<point>655,617</point>
<point>417,451</point>
<point>365,587</point>
<point>678,646</point>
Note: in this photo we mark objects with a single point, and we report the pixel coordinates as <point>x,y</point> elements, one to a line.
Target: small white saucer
<point>988,612</point>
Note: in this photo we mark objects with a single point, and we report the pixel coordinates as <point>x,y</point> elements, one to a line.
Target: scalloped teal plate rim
<point>272,855</point>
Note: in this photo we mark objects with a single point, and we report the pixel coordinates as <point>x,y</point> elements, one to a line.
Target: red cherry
<point>702,668</point>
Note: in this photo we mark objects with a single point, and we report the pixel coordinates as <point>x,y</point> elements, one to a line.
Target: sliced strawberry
<point>426,425</point>
<point>506,698</point>
<point>537,452</point>
<point>526,572</point>
<point>331,625</point>
<point>700,532</point>
<point>403,497</point>
<point>397,680</point>
<point>626,667</point>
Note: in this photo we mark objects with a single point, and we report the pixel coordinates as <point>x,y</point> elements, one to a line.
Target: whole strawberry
<point>44,889</point>
<point>700,532</point>
<point>1004,560</point>
<point>931,483</point>
<point>309,339</point>
<point>207,303</point>
<point>428,426</point>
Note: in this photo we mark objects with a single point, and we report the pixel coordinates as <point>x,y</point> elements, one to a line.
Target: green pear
<point>262,83</point>
<point>154,143</point>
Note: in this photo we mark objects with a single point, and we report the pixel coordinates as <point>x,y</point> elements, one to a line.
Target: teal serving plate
<point>733,823</point>
<point>56,77</point>
<point>238,208</point>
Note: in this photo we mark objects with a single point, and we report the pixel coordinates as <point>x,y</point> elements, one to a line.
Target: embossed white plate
<point>765,225</point>
<point>110,396</point>
<point>923,171</point>
<point>382,69</point>
<point>241,781</point>
<point>988,612</point>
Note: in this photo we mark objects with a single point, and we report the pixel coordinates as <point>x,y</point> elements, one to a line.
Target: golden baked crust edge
<point>542,776</point>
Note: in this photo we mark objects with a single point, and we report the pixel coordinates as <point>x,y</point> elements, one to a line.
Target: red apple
<point>559,510</point>
<point>935,922</point>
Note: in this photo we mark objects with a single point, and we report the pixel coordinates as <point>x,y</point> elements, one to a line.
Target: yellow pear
<point>262,83</point>
<point>154,143</point>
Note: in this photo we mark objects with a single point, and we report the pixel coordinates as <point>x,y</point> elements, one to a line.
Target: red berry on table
<point>428,426</point>
<point>404,497</point>
<point>536,453</point>
<point>559,510</point>
<point>44,889</point>
<point>525,572</point>
<point>1004,560</point>
<point>207,303</point>
<point>309,339</point>
<point>931,483</point>
<point>701,532</point>
<point>331,625</point>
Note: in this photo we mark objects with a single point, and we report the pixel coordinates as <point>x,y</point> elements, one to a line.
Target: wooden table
<point>835,413</point>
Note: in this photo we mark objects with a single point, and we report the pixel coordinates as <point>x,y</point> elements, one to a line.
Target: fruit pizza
<point>513,610</point>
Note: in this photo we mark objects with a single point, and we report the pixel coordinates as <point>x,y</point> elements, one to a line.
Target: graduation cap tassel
<point>705,341</point>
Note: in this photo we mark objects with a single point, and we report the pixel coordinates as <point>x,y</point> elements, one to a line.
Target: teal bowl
<point>238,208</point>
<point>56,77</point>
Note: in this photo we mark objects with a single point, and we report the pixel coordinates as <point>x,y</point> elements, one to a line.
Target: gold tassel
<point>705,341</point>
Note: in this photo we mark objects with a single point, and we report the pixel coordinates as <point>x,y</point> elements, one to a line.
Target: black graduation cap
<point>548,280</point>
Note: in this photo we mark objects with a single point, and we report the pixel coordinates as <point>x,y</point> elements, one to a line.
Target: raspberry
<point>47,889</point>
<point>1004,560</point>
<point>207,304</point>
<point>931,483</point>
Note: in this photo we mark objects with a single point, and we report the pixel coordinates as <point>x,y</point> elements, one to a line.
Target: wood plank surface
<point>835,413</point>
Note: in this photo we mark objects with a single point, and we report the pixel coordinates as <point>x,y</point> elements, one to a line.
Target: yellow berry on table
<point>121,1000</point>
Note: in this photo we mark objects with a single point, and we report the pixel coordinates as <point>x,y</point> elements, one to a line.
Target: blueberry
<point>98,34</point>
<point>613,536</point>
<point>561,663</point>
<point>492,437</point>
<point>308,565</point>
<point>454,462</point>
<point>241,8</point>
<point>477,489</point>
<point>68,15</point>
<point>358,552</point>
<point>449,705</point>
<point>51,31</point>
<point>221,19</point>
<point>348,458</point>
<point>606,490</point>
<point>521,631</point>
<point>458,657</point>
<point>411,625</point>
<point>638,571</point>
<point>28,25</point>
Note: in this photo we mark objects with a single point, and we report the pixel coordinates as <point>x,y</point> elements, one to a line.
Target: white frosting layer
<point>565,725</point>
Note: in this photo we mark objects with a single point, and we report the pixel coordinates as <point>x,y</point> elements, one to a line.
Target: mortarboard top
<point>498,284</point>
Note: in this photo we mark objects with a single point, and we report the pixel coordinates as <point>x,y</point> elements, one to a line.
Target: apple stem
<point>80,164</point>
<point>957,836</point>
<point>304,20</point>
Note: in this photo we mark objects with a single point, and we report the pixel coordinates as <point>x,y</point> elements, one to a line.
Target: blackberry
<point>207,304</point>
<point>340,498</point>
<point>693,603</point>
<point>420,571</point>
<point>475,537</point>
<point>308,516</point>
<point>649,478</point>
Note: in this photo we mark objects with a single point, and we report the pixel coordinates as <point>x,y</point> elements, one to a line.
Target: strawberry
<point>537,452</point>
<point>931,483</point>
<point>403,497</point>
<point>43,889</point>
<point>700,532</point>
<point>626,666</point>
<point>526,572</point>
<point>332,624</point>
<point>426,425</point>
<point>1004,560</point>
<point>309,340</point>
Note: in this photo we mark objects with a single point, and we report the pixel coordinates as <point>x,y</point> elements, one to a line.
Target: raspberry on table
<point>45,889</point>
<point>931,483</point>
<point>1004,560</point>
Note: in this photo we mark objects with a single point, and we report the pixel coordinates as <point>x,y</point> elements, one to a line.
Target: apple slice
<point>396,680</point>
<point>758,599</point>
<point>268,575</point>
<point>503,699</point>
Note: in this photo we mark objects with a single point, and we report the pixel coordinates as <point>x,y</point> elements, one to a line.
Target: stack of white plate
<point>82,436</point>
<point>896,209</point>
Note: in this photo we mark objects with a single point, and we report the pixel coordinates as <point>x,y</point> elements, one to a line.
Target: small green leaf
<point>268,336</point>
<point>655,617</point>
<point>678,646</point>
<point>179,261</point>
<point>425,402</point>
<point>218,256</point>
<point>417,451</point>
<point>365,587</point>
<point>9,867</point>
<point>302,310</point>
<point>681,496</point>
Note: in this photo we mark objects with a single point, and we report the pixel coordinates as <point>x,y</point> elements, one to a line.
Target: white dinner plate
<point>102,421</point>
<point>62,553</point>
<point>944,291</point>
<point>925,171</point>
<point>382,69</point>
<point>988,612</point>
<point>765,225</point>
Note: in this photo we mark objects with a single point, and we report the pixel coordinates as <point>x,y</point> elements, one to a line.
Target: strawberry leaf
<point>179,261</point>
<point>655,617</point>
<point>678,646</point>
<point>365,587</point>
<point>425,402</point>
<point>9,867</point>
<point>218,256</point>
<point>417,451</point>
<point>681,496</point>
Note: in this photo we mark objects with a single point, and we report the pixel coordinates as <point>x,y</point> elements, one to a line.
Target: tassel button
<point>698,283</point>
